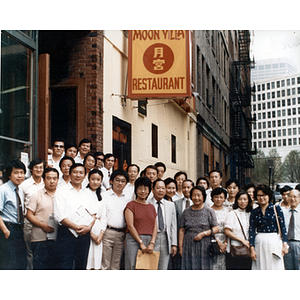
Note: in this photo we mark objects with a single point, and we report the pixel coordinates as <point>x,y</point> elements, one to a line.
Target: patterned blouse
<point>260,223</point>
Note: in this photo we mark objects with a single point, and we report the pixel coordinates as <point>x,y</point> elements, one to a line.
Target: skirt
<point>95,251</point>
<point>268,248</point>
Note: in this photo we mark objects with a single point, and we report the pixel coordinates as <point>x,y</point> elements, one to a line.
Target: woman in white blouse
<point>238,236</point>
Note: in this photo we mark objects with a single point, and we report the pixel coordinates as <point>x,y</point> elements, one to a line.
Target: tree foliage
<point>262,166</point>
<point>291,166</point>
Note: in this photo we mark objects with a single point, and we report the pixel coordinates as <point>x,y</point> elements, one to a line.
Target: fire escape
<point>240,99</point>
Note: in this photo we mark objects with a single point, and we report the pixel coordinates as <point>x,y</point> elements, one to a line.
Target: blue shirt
<point>266,223</point>
<point>8,202</point>
<point>287,216</point>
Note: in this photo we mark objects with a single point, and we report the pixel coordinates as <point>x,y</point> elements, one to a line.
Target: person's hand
<point>150,248</point>
<point>6,234</point>
<point>180,251</point>
<point>83,229</point>
<point>47,228</point>
<point>199,236</point>
<point>253,254</point>
<point>285,249</point>
<point>143,247</point>
<point>222,246</point>
<point>246,243</point>
<point>173,251</point>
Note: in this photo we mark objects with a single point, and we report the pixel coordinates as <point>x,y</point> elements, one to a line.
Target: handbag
<point>147,261</point>
<point>276,249</point>
<point>240,251</point>
<point>213,248</point>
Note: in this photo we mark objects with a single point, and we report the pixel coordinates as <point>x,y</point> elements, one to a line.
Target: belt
<point>293,241</point>
<point>116,229</point>
<point>16,225</point>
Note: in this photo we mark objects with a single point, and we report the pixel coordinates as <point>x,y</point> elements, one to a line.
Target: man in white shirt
<point>215,178</point>
<point>85,146</point>
<point>133,172</point>
<point>73,237</point>
<point>58,148</point>
<point>113,239</point>
<point>179,177</point>
<point>166,240</point>
<point>109,161</point>
<point>29,186</point>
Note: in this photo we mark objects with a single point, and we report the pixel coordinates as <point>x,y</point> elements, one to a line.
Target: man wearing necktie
<point>12,244</point>
<point>166,240</point>
<point>292,222</point>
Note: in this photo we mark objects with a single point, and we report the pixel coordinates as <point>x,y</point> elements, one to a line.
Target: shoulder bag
<point>240,251</point>
<point>214,248</point>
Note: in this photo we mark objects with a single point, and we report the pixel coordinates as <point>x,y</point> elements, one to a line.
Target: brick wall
<point>86,61</point>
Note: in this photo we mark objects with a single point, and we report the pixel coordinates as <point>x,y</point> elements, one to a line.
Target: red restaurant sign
<point>158,64</point>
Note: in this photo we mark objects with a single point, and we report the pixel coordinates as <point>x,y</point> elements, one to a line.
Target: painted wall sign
<point>158,64</point>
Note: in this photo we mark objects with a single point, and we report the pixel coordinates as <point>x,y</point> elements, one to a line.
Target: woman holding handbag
<point>268,237</point>
<point>237,229</point>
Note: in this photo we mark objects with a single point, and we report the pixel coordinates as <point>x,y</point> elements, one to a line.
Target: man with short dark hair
<point>113,239</point>
<point>166,240</point>
<point>84,147</point>
<point>133,172</point>
<point>161,169</point>
<point>29,187</point>
<point>109,161</point>
<point>215,178</point>
<point>179,177</point>
<point>292,224</point>
<point>100,159</point>
<point>73,234</point>
<point>12,244</point>
<point>285,202</point>
<point>58,148</point>
<point>39,211</point>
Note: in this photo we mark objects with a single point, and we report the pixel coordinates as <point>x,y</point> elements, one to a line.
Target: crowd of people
<point>75,211</point>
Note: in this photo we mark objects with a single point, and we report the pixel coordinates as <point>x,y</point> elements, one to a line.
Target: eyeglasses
<point>260,196</point>
<point>100,159</point>
<point>59,146</point>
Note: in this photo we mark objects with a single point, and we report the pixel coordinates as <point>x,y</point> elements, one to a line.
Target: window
<point>269,144</point>
<point>268,86</point>
<point>288,92</point>
<point>283,132</point>
<point>290,131</point>
<point>273,95</point>
<point>264,134</point>
<point>284,142</point>
<point>264,144</point>
<point>258,87</point>
<point>279,132</point>
<point>278,94</point>
<point>173,140</point>
<point>259,144</point>
<point>259,135</point>
<point>284,122</point>
<point>290,142</point>
<point>283,93</point>
<point>274,143</point>
<point>273,114</point>
<point>264,125</point>
<point>288,82</point>
<point>294,131</point>
<point>294,141</point>
<point>279,113</point>
<point>206,165</point>
<point>283,102</point>
<point>283,112</point>
<point>263,86</point>
<point>288,102</point>
<point>279,143</point>
<point>142,107</point>
<point>268,96</point>
<point>273,133</point>
<point>273,85</point>
<point>278,103</point>
<point>283,83</point>
<point>278,83</point>
<point>293,81</point>
<point>289,122</point>
<point>154,141</point>
<point>273,104</point>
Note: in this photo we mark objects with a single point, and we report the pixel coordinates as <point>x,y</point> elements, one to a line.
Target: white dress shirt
<point>105,182</point>
<point>115,208</point>
<point>29,187</point>
<point>67,200</point>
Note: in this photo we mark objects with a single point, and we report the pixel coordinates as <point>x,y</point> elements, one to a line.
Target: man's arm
<point>4,229</point>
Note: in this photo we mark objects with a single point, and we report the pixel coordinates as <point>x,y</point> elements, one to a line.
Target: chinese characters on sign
<point>158,64</point>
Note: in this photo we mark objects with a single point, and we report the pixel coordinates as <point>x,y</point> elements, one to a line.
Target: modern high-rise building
<point>276,108</point>
<point>270,68</point>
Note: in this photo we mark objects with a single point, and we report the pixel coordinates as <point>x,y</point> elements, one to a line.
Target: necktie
<point>187,203</point>
<point>19,207</point>
<point>291,230</point>
<point>108,174</point>
<point>160,217</point>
